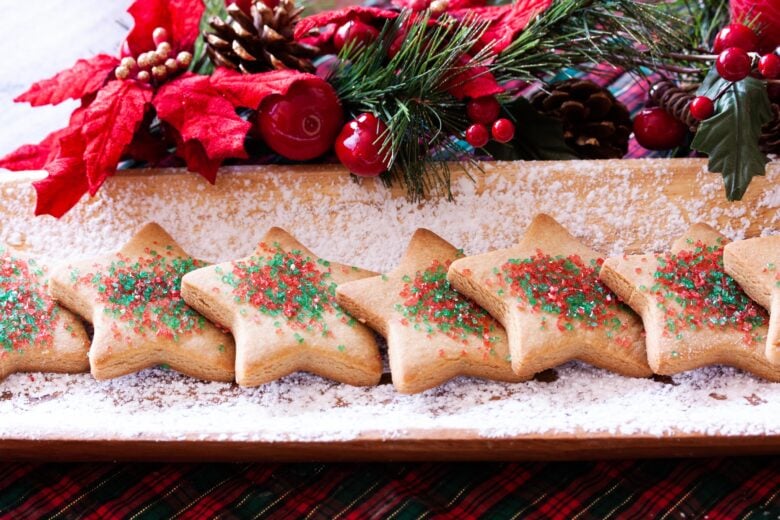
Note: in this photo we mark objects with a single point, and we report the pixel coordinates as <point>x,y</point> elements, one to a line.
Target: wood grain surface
<point>689,187</point>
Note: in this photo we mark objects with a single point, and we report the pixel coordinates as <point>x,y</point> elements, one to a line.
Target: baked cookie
<point>695,314</point>
<point>280,303</point>
<point>132,297</point>
<point>36,334</point>
<point>755,265</point>
<point>546,293</point>
<point>433,333</point>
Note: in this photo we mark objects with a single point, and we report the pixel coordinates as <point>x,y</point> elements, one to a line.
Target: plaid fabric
<point>715,489</point>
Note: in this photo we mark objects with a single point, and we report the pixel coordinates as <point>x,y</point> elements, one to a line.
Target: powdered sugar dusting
<point>366,226</point>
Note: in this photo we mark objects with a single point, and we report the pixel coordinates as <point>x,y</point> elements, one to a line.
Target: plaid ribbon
<point>666,489</point>
<point>661,489</point>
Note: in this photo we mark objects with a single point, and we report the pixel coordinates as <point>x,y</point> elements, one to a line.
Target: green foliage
<point>730,137</point>
<point>409,93</point>
<point>585,33</point>
<point>200,62</point>
<point>537,136</point>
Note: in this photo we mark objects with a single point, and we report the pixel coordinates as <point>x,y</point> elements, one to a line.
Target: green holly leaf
<point>730,137</point>
<point>537,136</point>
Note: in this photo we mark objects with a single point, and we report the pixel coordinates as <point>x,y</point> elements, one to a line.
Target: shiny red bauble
<point>733,64</point>
<point>766,14</point>
<point>354,32</point>
<point>735,35</point>
<point>359,146</point>
<point>657,129</point>
<point>302,124</point>
<point>503,130</point>
<point>702,108</point>
<point>477,135</point>
<point>483,110</point>
<point>769,66</point>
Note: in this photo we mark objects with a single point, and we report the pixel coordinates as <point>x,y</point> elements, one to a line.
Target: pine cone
<point>595,124</point>
<point>259,42</point>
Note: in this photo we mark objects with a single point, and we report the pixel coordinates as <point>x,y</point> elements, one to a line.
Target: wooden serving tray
<point>574,411</point>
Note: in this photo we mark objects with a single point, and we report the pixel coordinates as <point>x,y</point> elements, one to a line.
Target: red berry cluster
<point>736,46</point>
<point>483,112</point>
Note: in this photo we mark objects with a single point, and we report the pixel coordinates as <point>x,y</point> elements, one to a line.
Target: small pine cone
<point>676,100</point>
<point>260,41</point>
<point>595,124</point>
<point>770,133</point>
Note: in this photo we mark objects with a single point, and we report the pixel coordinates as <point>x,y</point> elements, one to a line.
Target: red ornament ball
<point>358,146</point>
<point>657,129</point>
<point>483,110</point>
<point>733,64</point>
<point>354,32</point>
<point>767,16</point>
<point>477,135</point>
<point>702,108</point>
<point>769,66</point>
<point>503,130</point>
<point>302,124</point>
<point>735,35</point>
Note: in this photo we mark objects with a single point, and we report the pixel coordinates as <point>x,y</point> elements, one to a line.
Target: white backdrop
<point>40,38</point>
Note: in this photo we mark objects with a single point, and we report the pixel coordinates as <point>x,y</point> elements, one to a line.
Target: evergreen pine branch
<point>201,64</point>
<point>628,34</point>
<point>409,92</point>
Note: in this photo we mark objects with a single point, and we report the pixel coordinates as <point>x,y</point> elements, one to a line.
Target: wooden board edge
<point>524,448</point>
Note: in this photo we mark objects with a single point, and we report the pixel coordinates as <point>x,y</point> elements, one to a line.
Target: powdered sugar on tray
<point>370,228</point>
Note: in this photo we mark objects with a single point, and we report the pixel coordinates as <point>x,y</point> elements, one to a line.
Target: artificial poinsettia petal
<point>83,78</point>
<point>198,160</point>
<point>109,125</point>
<point>249,90</point>
<point>66,182</point>
<point>416,5</point>
<point>35,156</point>
<point>473,82</point>
<point>181,18</point>
<point>505,21</point>
<point>196,109</point>
<point>340,16</point>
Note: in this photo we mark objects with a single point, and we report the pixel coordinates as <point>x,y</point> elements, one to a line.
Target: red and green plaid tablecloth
<point>714,489</point>
<point>663,489</point>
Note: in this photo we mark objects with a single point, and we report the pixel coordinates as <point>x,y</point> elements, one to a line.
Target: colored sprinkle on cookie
<point>286,284</point>
<point>145,294</point>
<point>565,286</point>
<point>432,305</point>
<point>705,296</point>
<point>27,314</point>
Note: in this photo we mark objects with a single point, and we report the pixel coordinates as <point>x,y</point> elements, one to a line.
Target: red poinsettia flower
<point>505,21</point>
<point>113,120</point>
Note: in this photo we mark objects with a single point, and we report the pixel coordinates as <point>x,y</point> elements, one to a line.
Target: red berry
<point>764,14</point>
<point>657,129</point>
<point>477,135</point>
<point>354,32</point>
<point>483,110</point>
<point>769,66</point>
<point>359,146</point>
<point>735,35</point>
<point>702,108</point>
<point>302,124</point>
<point>733,64</point>
<point>418,5</point>
<point>503,130</point>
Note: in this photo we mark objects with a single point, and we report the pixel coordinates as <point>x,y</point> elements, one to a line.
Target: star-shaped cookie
<point>36,334</point>
<point>546,293</point>
<point>132,297</point>
<point>280,304</point>
<point>694,313</point>
<point>433,333</point>
<point>755,265</point>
